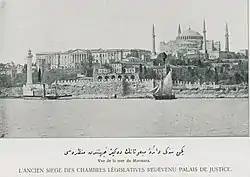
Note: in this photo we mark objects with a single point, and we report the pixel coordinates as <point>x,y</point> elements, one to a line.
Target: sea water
<point>123,118</point>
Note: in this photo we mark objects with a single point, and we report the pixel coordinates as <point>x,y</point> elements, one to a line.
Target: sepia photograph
<point>123,68</point>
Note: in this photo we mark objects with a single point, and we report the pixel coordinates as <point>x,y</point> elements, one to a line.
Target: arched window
<point>99,78</point>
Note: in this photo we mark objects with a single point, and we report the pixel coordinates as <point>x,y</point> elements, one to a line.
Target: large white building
<point>72,59</point>
<point>192,43</point>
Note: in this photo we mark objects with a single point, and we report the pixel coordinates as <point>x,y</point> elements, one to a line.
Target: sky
<point>59,25</point>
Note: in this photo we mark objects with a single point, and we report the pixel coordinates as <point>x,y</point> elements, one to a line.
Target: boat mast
<point>56,87</point>
<point>43,83</point>
<point>162,85</point>
<point>163,76</point>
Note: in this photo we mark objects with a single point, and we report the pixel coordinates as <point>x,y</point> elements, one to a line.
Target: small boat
<point>48,97</point>
<point>163,91</point>
<point>56,96</point>
<point>33,98</point>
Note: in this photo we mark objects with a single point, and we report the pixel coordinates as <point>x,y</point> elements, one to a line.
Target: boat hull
<point>164,97</point>
<point>57,97</point>
<point>49,97</point>
<point>33,98</point>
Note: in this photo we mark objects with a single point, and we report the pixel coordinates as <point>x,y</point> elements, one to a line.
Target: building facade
<point>63,60</point>
<point>72,59</point>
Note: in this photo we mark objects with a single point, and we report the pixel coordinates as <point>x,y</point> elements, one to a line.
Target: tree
<point>125,87</point>
<point>164,57</point>
<point>140,72</point>
<point>216,77</point>
<point>140,68</point>
<point>89,72</point>
<point>221,69</point>
<point>5,81</point>
<point>25,68</point>
<point>167,69</point>
<point>208,74</point>
<point>39,76</point>
<point>246,77</point>
<point>145,71</point>
<point>2,68</point>
<point>199,64</point>
<point>90,61</point>
<point>174,77</point>
<point>238,78</point>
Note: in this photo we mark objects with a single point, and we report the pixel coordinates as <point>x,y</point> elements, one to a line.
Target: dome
<point>190,33</point>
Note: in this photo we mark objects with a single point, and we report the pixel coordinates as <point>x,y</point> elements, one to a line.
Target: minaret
<point>29,68</point>
<point>179,30</point>
<point>205,38</point>
<point>226,39</point>
<point>153,35</point>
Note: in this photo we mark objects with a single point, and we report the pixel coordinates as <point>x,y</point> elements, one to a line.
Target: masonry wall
<point>91,88</point>
<point>131,87</point>
<point>108,88</point>
<point>136,87</point>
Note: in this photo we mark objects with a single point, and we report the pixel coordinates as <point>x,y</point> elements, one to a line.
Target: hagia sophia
<point>190,44</point>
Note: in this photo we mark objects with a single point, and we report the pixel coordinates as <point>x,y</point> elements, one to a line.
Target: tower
<point>179,30</point>
<point>29,68</point>
<point>153,35</point>
<point>226,39</point>
<point>205,39</point>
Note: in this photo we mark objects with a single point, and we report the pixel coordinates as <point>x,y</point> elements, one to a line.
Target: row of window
<point>188,45</point>
<point>190,37</point>
<point>84,56</point>
<point>114,77</point>
<point>102,55</point>
<point>129,70</point>
<point>103,71</point>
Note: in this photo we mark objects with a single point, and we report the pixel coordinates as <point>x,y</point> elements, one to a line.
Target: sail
<point>158,91</point>
<point>167,84</point>
<point>154,89</point>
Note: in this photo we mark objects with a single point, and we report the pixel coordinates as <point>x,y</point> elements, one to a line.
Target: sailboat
<point>163,91</point>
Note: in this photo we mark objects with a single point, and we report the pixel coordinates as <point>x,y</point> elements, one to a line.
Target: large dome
<point>190,34</point>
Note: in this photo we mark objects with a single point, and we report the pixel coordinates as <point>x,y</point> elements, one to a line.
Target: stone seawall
<point>133,89</point>
<point>92,88</point>
<point>119,88</point>
<point>11,92</point>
